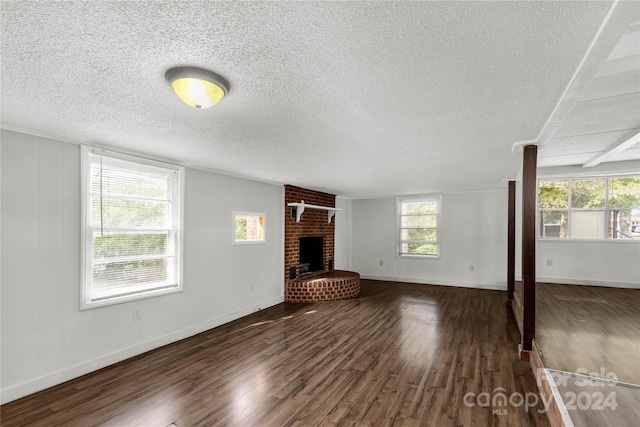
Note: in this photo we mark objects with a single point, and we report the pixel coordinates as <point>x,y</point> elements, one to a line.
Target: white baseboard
<point>586,282</point>
<point>492,286</point>
<point>15,392</point>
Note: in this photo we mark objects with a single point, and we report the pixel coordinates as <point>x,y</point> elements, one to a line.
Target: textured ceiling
<point>358,99</point>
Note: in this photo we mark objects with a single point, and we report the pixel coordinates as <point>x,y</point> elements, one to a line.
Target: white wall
<point>342,238</point>
<point>597,263</point>
<point>610,263</point>
<point>473,233</point>
<point>45,338</point>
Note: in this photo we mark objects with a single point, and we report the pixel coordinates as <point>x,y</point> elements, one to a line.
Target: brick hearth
<point>324,286</point>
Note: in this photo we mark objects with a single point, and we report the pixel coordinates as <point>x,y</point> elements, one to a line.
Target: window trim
<point>438,241</point>
<point>86,233</point>
<point>569,208</point>
<point>248,242</point>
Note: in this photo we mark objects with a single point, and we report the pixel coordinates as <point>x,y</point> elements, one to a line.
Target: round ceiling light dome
<point>197,87</point>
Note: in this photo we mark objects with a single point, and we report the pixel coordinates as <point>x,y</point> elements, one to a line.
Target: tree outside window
<point>131,228</point>
<point>589,208</point>
<point>418,221</point>
<point>249,227</point>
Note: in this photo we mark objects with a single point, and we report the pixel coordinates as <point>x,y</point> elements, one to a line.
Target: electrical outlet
<point>381,263</point>
<point>549,263</point>
<point>472,268</point>
<point>137,313</point>
<point>252,287</point>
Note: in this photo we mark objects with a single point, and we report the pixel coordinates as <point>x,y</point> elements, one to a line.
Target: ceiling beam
<point>628,141</point>
<point>621,16</point>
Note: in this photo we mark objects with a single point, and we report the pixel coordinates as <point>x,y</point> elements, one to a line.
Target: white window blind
<point>132,228</point>
<point>418,226</point>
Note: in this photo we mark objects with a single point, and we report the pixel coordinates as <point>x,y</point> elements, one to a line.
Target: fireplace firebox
<point>312,252</point>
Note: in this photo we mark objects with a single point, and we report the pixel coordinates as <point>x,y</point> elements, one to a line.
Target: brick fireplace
<point>313,222</point>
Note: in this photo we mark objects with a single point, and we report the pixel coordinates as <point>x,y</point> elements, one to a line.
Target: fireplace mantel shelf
<point>300,207</point>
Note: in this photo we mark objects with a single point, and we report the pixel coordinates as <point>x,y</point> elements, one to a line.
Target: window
<point>131,228</point>
<point>249,227</point>
<point>418,221</point>
<point>589,208</point>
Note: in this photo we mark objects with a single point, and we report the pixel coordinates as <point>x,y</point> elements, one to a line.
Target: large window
<point>589,208</point>
<point>418,222</point>
<point>131,228</point>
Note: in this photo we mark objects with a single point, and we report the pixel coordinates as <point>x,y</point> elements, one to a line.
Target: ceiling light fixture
<point>197,87</point>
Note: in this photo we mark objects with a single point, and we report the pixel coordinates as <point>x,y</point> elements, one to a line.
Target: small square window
<point>248,227</point>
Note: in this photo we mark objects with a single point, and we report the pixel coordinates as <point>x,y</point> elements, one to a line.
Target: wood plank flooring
<point>594,331</point>
<point>399,355</point>
<point>591,328</point>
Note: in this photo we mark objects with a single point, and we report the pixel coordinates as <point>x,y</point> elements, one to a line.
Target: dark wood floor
<point>401,354</point>
<point>591,328</point>
<point>593,331</point>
